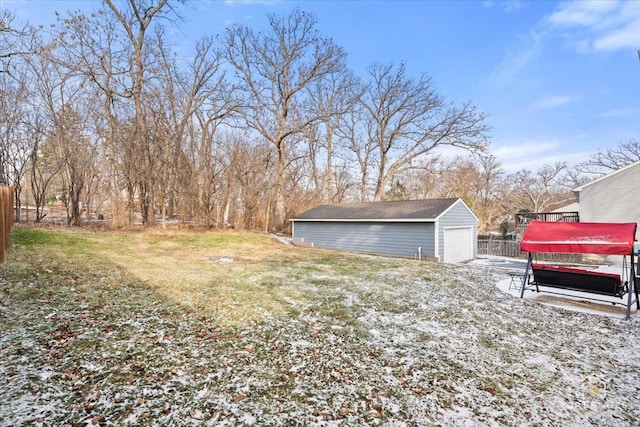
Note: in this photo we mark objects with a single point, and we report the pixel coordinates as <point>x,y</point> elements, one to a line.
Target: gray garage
<point>437,229</point>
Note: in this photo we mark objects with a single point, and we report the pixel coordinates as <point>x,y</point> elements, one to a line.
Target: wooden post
<point>6,219</point>
<point>3,237</point>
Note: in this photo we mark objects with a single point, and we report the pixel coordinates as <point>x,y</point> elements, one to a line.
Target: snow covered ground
<point>371,341</point>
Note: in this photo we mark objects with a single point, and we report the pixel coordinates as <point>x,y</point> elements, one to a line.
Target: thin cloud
<point>621,112</point>
<point>531,154</point>
<point>525,149</point>
<point>250,2</point>
<point>625,37</point>
<point>582,13</point>
<point>518,58</point>
<point>535,162</point>
<point>553,102</point>
<point>591,26</point>
<point>507,6</point>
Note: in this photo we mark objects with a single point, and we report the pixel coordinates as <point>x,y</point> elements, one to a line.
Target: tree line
<point>100,112</point>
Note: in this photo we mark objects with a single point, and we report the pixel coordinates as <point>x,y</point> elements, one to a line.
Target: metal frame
<point>631,286</point>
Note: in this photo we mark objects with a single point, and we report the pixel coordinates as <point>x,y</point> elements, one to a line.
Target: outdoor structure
<point>567,213</point>
<point>6,218</point>
<point>611,239</point>
<point>611,198</point>
<point>438,229</point>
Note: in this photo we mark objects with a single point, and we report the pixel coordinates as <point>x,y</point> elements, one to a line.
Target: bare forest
<point>103,119</point>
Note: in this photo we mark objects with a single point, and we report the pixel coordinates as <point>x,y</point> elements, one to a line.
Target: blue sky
<point>559,80</point>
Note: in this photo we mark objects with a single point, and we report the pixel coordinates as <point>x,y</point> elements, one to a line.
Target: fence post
<point>6,219</point>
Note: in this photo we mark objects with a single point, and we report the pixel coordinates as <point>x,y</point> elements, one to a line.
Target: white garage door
<point>458,244</point>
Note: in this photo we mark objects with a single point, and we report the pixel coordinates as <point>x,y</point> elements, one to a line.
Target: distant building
<point>437,229</point>
<point>612,198</point>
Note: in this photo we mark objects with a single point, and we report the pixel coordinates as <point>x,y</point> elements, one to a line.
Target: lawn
<point>204,328</point>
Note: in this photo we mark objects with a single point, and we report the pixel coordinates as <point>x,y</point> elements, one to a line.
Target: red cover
<point>561,268</point>
<point>601,238</point>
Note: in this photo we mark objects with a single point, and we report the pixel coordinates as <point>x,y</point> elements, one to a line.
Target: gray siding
<point>398,239</point>
<point>612,199</point>
<point>457,216</point>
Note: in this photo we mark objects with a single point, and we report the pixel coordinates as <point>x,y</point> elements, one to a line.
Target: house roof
<point>571,207</point>
<point>400,210</point>
<point>632,165</point>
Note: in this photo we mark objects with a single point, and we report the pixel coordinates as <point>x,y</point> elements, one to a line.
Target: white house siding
<point>614,198</point>
<point>458,216</point>
<point>384,238</point>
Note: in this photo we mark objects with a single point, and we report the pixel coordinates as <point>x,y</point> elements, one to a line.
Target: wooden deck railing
<point>523,219</point>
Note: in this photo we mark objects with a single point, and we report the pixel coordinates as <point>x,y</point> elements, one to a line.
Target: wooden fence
<point>511,249</point>
<point>508,248</point>
<point>6,219</point>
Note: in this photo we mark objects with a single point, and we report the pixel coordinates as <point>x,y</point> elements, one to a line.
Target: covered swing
<point>581,237</point>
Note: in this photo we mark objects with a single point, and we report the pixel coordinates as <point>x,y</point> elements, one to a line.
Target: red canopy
<point>579,237</point>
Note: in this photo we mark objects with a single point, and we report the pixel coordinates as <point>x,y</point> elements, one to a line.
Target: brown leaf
<point>208,335</point>
<point>490,389</point>
<point>95,395</point>
<point>96,420</point>
<point>196,415</point>
<point>345,411</point>
<point>375,413</point>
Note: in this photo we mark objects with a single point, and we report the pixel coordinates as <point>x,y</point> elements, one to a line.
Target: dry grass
<point>161,328</point>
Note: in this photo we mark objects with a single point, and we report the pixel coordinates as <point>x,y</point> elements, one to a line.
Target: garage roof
<point>403,210</point>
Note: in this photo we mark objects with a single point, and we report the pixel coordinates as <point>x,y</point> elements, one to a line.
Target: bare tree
<point>61,94</point>
<point>15,147</point>
<point>333,98</point>
<point>16,44</point>
<point>480,182</point>
<point>195,93</point>
<point>251,164</point>
<point>44,165</point>
<point>76,153</point>
<point>274,69</point>
<point>425,179</point>
<point>208,166</point>
<point>361,150</point>
<point>407,119</point>
<point>135,19</point>
<point>542,189</point>
<point>93,46</point>
<point>609,160</point>
<point>16,40</point>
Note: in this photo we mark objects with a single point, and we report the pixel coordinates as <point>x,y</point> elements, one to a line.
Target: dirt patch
<point>223,259</point>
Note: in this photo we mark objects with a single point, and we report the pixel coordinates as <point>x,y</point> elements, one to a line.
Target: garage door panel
<point>458,244</point>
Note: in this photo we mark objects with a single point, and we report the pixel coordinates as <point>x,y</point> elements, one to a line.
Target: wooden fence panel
<point>6,219</point>
<point>511,249</point>
<point>508,248</point>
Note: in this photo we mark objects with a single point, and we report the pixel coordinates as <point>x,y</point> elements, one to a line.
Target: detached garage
<point>438,229</point>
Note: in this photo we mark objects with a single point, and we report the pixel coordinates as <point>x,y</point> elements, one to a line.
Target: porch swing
<point>587,238</point>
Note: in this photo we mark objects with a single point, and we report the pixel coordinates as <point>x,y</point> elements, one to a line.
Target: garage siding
<point>457,216</point>
<point>398,239</point>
